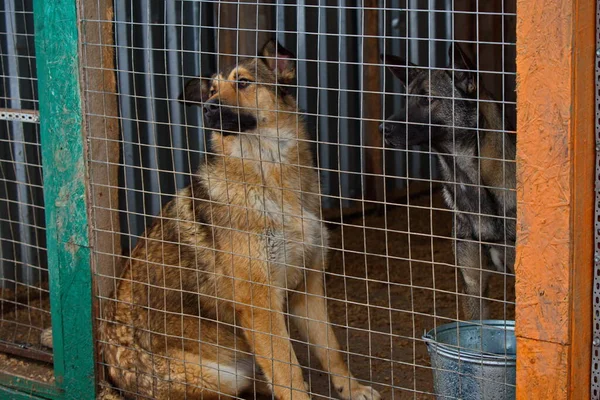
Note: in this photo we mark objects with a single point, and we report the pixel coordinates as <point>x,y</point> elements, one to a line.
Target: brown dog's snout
<point>211,106</point>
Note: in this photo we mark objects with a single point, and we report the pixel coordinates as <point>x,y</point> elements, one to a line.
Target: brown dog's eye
<point>243,83</point>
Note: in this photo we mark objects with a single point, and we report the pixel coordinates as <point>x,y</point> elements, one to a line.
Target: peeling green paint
<point>67,228</point>
<point>14,387</point>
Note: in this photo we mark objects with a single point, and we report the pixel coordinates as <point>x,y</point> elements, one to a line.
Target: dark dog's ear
<point>196,91</point>
<point>280,60</point>
<point>464,78</point>
<point>401,69</point>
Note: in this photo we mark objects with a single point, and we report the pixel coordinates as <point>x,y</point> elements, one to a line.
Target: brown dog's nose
<point>212,105</point>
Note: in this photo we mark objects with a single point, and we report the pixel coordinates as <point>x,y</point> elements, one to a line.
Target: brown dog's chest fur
<point>237,211</point>
<point>271,206</point>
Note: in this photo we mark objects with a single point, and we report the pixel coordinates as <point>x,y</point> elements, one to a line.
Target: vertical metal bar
<point>131,199</point>
<point>63,151</point>
<point>371,102</point>
<point>7,237</point>
<point>194,15</point>
<point>419,55</point>
<point>280,22</point>
<point>7,257</point>
<point>173,89</point>
<point>324,134</point>
<point>441,28</point>
<point>301,50</point>
<point>347,127</point>
<point>151,182</point>
<point>6,266</point>
<point>398,47</point>
<point>414,31</point>
<point>27,257</point>
<point>440,22</point>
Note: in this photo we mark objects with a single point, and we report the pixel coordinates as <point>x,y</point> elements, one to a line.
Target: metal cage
<point>441,237</point>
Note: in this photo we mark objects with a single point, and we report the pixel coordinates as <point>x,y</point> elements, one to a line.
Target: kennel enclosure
<point>115,146</point>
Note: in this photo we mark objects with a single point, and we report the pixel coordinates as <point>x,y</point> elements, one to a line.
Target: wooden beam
<point>237,24</point>
<point>66,200</point>
<point>583,175</point>
<point>555,66</point>
<point>104,138</point>
<point>464,25</point>
<point>371,103</point>
<point>102,123</point>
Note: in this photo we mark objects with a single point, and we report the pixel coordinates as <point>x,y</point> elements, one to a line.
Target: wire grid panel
<point>398,204</point>
<point>24,301</point>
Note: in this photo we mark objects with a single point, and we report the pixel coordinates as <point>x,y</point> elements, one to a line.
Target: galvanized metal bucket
<point>473,360</point>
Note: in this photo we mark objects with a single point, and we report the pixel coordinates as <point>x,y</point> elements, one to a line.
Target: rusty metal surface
<point>595,390</point>
<point>24,350</point>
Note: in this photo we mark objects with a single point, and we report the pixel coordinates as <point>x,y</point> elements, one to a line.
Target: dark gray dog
<point>460,123</point>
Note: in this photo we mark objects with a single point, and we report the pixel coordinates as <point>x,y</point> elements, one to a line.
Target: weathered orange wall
<point>555,107</point>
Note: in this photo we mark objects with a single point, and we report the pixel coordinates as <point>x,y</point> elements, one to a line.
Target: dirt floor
<point>391,278</point>
<point>389,287</point>
<point>24,314</point>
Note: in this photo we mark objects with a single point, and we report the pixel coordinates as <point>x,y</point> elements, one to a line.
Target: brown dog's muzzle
<point>226,119</point>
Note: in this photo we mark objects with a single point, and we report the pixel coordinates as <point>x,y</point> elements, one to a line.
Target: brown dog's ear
<point>400,67</point>
<point>196,91</point>
<point>280,60</point>
<point>464,79</point>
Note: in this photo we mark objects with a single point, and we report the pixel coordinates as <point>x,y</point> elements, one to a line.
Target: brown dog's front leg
<point>310,316</point>
<point>260,313</point>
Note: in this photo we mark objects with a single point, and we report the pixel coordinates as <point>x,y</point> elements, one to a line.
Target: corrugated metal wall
<point>161,44</point>
<point>22,233</point>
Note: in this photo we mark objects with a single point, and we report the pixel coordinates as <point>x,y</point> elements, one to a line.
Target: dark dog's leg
<point>472,264</point>
<point>502,257</point>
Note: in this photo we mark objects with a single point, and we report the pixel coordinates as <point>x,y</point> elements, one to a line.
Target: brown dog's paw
<point>356,391</point>
<point>46,338</point>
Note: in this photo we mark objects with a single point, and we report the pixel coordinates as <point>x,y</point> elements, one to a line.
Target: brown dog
<point>204,296</point>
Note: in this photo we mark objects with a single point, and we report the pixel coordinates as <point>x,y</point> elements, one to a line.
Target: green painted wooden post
<point>11,385</point>
<point>67,219</point>
<point>65,194</point>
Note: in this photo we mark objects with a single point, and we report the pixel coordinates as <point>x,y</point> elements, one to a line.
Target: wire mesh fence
<point>310,208</point>
<point>24,304</point>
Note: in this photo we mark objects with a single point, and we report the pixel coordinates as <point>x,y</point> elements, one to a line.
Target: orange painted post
<point>554,268</point>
